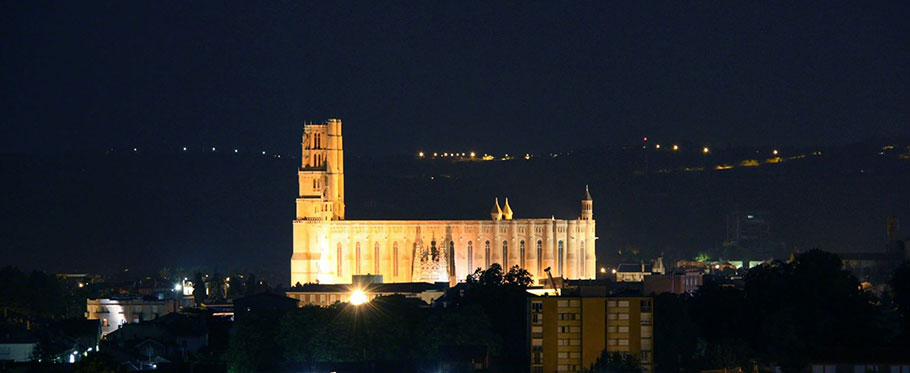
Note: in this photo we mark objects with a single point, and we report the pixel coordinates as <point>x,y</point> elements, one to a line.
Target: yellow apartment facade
<point>569,333</point>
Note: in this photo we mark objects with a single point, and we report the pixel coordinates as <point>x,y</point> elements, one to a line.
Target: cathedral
<point>329,249</point>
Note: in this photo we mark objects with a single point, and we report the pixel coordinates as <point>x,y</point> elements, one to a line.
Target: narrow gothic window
<point>486,249</point>
<point>470,255</point>
<point>581,259</point>
<point>539,256</point>
<point>521,253</point>
<point>357,258</point>
<point>339,259</point>
<point>505,255</point>
<point>376,259</point>
<point>559,267</point>
<point>395,259</point>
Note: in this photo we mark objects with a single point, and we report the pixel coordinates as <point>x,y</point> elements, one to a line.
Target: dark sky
<point>450,75</point>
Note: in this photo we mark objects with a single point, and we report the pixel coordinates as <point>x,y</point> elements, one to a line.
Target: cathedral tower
<point>321,174</point>
<point>587,206</point>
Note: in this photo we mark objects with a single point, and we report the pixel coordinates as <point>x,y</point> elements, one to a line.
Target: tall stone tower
<point>587,206</point>
<point>321,175</point>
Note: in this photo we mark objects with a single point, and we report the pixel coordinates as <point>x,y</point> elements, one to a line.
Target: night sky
<point>83,83</point>
<point>544,76</point>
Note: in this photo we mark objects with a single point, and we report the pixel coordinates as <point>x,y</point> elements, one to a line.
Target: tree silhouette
<point>199,292</point>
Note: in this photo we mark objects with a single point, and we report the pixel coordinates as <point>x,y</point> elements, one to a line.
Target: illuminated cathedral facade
<point>329,249</point>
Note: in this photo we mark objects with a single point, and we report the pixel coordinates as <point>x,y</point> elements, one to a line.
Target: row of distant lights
<point>213,150</point>
<point>704,150</point>
<point>471,154</point>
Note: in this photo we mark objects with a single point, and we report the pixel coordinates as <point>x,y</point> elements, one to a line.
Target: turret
<point>507,211</point>
<point>587,206</point>
<point>496,214</point>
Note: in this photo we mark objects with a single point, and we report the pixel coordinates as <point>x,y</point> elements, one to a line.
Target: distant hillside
<point>105,212</point>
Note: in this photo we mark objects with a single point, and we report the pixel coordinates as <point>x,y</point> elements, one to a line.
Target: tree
<point>199,292</point>
<point>615,362</point>
<point>676,332</point>
<point>97,362</point>
<point>900,289</point>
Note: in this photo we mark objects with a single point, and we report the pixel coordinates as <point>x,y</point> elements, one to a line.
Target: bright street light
<point>358,297</point>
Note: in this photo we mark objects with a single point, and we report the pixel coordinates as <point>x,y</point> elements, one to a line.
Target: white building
<point>115,312</point>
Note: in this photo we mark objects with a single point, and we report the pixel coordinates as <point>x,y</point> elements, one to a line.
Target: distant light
<point>134,149</point>
<point>717,266</point>
<point>603,269</point>
<point>705,150</point>
<point>472,154</point>
<point>235,150</point>
<point>774,152</point>
<point>213,148</point>
<point>184,148</point>
<point>263,152</point>
<point>614,271</point>
<point>657,146</point>
<point>420,154</point>
<point>178,287</point>
<point>81,284</point>
<point>227,279</point>
<point>358,297</point>
<point>645,139</point>
<point>675,147</point>
<point>445,154</point>
<point>435,154</point>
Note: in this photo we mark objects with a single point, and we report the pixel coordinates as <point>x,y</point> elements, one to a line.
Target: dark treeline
<point>788,314</point>
<point>390,331</point>
<point>32,296</point>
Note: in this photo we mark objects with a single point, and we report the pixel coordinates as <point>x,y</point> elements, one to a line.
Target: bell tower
<point>587,206</point>
<point>320,177</point>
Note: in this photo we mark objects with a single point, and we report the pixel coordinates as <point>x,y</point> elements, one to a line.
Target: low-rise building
<point>324,295</point>
<point>569,333</point>
<point>18,348</point>
<point>114,312</point>
<point>636,272</point>
<point>678,282</point>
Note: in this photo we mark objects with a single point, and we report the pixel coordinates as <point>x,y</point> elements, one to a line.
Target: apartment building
<point>568,333</point>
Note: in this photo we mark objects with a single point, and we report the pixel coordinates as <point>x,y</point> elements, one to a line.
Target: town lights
<point>705,150</point>
<point>613,271</point>
<point>774,152</point>
<point>472,154</point>
<point>358,297</point>
<point>675,147</point>
<point>603,269</point>
<point>178,287</point>
<point>420,154</point>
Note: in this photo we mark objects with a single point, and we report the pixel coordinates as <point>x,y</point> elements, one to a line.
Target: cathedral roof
<point>587,194</point>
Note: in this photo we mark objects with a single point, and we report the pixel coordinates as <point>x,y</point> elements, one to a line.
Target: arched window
<point>505,255</point>
<point>539,256</point>
<point>581,259</point>
<point>451,253</point>
<point>376,258</point>
<point>357,258</point>
<point>339,259</point>
<point>470,256</point>
<point>395,259</point>
<point>560,253</point>
<point>486,249</point>
<point>521,253</point>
